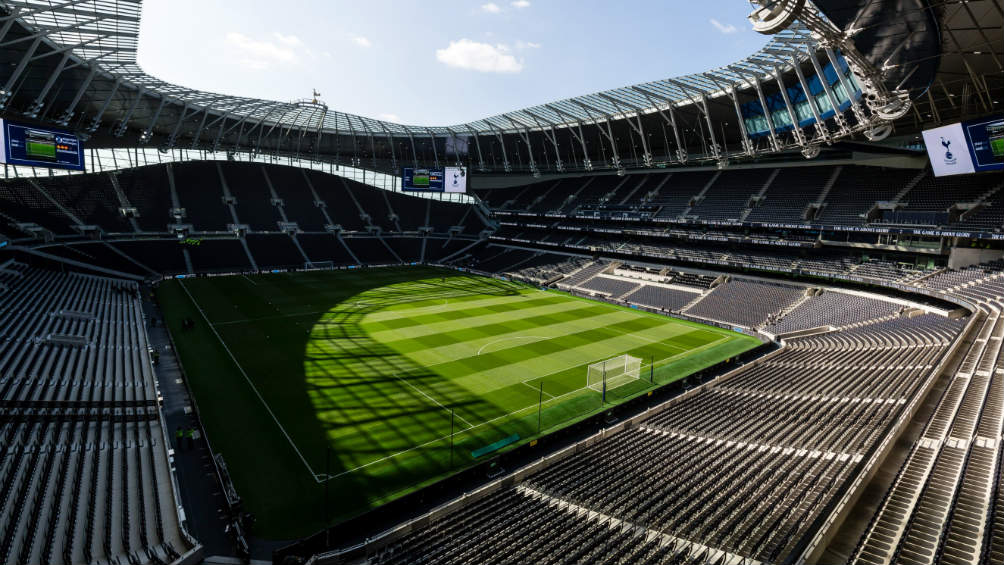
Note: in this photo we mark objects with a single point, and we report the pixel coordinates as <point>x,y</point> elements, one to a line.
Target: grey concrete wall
<point>963,257</point>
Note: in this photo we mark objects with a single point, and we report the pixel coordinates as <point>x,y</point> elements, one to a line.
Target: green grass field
<point>374,363</point>
<point>44,150</point>
<point>997,147</point>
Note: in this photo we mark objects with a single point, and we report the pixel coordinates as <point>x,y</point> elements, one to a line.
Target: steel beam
<point>120,130</point>
<point>7,91</point>
<point>148,132</point>
<point>821,130</point>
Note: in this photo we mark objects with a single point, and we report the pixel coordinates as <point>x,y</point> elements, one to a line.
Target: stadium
<point>751,315</point>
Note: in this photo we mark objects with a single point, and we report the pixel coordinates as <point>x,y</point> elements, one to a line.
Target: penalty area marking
<point>249,280</point>
<point>511,339</point>
<point>420,391</point>
<point>321,477</point>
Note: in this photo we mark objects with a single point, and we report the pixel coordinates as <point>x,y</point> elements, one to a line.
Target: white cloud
<point>724,28</point>
<point>290,40</point>
<point>471,55</point>
<point>520,4</point>
<point>253,64</point>
<point>527,45</point>
<point>491,8</point>
<point>389,117</point>
<point>361,41</point>
<point>257,54</point>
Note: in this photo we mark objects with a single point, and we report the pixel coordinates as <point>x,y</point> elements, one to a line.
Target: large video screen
<point>443,179</point>
<point>986,141</point>
<point>967,147</point>
<point>35,146</point>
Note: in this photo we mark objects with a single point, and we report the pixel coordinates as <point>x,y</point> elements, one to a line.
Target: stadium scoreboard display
<point>966,147</point>
<point>442,179</point>
<point>37,146</point>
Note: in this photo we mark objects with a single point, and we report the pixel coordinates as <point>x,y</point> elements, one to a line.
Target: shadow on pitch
<point>386,419</point>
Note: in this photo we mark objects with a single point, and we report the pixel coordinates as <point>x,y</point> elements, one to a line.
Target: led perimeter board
<point>443,179</point>
<point>35,146</point>
<point>968,147</point>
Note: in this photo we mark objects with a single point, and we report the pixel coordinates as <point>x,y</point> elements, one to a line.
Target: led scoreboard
<point>442,179</point>
<point>36,146</point>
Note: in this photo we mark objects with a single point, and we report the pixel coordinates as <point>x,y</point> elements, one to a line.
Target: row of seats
<point>727,198</point>
<point>836,308</point>
<point>746,303</point>
<point>611,287</point>
<point>790,194</point>
<point>214,195</point>
<point>846,195</point>
<point>524,526</point>
<point>957,278</point>
<point>72,336</point>
<point>693,280</point>
<point>944,504</point>
<point>776,308</point>
<point>146,257</point>
<point>660,297</point>
<point>550,267</point>
<point>740,469</point>
<point>83,461</point>
<point>826,263</point>
<point>585,273</point>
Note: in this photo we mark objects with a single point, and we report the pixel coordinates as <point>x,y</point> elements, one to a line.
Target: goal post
<point>321,265</point>
<point>614,372</point>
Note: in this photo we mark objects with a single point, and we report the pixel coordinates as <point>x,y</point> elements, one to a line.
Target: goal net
<point>326,265</point>
<point>616,371</point>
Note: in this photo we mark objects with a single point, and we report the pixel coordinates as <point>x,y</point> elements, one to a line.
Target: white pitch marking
<point>248,379</point>
<point>420,391</point>
<point>513,338</point>
<point>536,389</point>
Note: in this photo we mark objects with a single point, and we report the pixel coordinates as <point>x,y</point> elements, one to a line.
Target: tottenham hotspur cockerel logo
<point>949,158</point>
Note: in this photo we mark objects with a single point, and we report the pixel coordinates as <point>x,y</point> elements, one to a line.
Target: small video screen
<point>40,145</point>
<point>995,135</point>
<point>420,178</point>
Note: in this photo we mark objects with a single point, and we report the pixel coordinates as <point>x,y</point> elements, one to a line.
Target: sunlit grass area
<point>381,380</point>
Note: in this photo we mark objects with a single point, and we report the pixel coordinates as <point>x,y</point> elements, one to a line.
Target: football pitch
<point>375,382</point>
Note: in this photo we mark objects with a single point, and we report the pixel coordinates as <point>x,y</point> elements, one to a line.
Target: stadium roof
<point>915,64</point>
<point>105,33</point>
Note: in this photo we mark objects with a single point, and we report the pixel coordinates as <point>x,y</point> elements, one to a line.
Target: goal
<point>616,371</point>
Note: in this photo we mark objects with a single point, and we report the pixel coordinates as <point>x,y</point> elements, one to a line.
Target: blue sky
<point>436,62</point>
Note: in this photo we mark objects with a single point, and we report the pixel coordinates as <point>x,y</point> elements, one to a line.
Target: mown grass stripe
<point>526,360</point>
<point>551,324</point>
<point>471,319</point>
<point>405,318</point>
